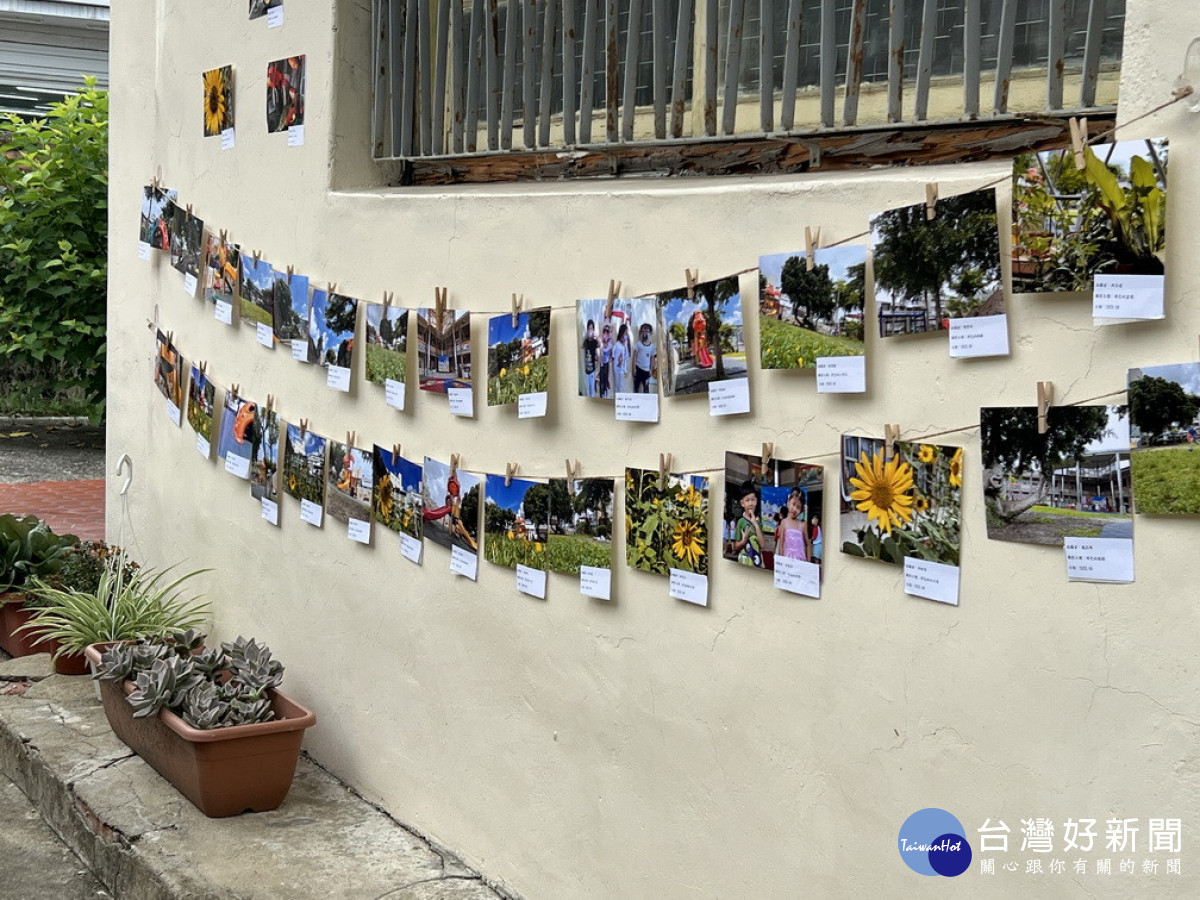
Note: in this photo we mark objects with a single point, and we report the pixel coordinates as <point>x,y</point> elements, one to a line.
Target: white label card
<point>729,398</point>
<point>410,547</point>
<point>463,562</point>
<point>264,334</point>
<point>531,582</point>
<point>173,413</point>
<point>189,284</point>
<point>203,446</point>
<point>637,407</point>
<point>394,391</point>
<point>841,374</point>
<point>462,402</point>
<point>689,586</point>
<point>797,576</point>
<point>358,530</point>
<point>270,511</point>
<point>300,351</point>
<point>223,312</point>
<point>1099,559</point>
<point>227,138</point>
<point>980,336</point>
<point>531,406</point>
<point>595,582</point>
<point>145,251</point>
<point>931,580</point>
<point>237,465</point>
<point>1128,297</point>
<point>275,17</point>
<point>338,378</point>
<point>295,135</point>
<point>311,513</point>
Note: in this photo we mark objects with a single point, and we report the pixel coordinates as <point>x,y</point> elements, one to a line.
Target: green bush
<point>54,237</point>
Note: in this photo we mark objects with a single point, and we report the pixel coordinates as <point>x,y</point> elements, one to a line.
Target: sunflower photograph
<point>666,523</point>
<point>218,100</point>
<point>905,504</point>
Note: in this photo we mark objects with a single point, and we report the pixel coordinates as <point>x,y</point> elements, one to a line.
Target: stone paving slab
<point>69,507</point>
<point>144,840</point>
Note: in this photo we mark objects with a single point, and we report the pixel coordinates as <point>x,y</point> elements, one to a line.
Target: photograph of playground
<point>331,325</point>
<point>304,465</point>
<point>929,271</point>
<point>348,482</point>
<point>772,510</point>
<point>701,338</point>
<point>221,270</point>
<point>443,349</point>
<point>258,292</point>
<point>1071,225</point>
<point>202,397</point>
<point>238,430</point>
<point>397,500</point>
<point>156,205</point>
<point>450,501</point>
<point>387,343</point>
<point>804,315</point>
<point>1164,420</point>
<point>1072,481</point>
<point>168,370</point>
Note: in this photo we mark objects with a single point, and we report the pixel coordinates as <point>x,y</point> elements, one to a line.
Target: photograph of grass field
<point>518,356</point>
<point>387,343</point>
<point>257,304</point>
<point>202,398</point>
<point>1164,419</point>
<point>304,465</point>
<point>396,502</point>
<point>516,519</point>
<point>581,529</point>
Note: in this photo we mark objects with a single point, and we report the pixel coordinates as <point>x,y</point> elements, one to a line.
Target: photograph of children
<point>397,502</point>
<point>666,527</point>
<point>450,500</point>
<point>285,93</point>
<point>237,433</point>
<point>202,399</point>
<point>516,520</point>
<point>304,465</point>
<point>187,240</point>
<point>518,356</point>
<point>156,204</point>
<point>618,353</point>
<point>805,314</point>
<point>701,338</point>
<point>168,370</point>
<point>1072,481</point>
<point>929,271</point>
<point>222,270</point>
<point>264,455</point>
<point>1164,421</point>
<point>289,293</point>
<point>580,524</point>
<point>218,100</point>
<point>387,343</point>
<point>443,349</point>
<point>1071,225</point>
<point>772,510</point>
<point>257,305</point>
<point>258,8</point>
<point>350,480</point>
<point>331,324</point>
<point>908,505</point>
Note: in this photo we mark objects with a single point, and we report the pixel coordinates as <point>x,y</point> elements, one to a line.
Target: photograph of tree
<point>156,204</point>
<point>202,399</point>
<point>285,93</point>
<point>1072,481</point>
<point>580,519</point>
<point>168,369</point>
<point>450,501</point>
<point>258,8</point>
<point>304,465</point>
<point>350,478</point>
<point>772,510</point>
<point>928,272</point>
<point>187,240</point>
<point>397,503</point>
<point>1071,225</point>
<point>443,349</point>
<point>222,270</point>
<point>666,527</point>
<point>218,100</point>
<point>331,326</point>
<point>804,315</point>
<point>1164,418</point>
<point>516,535</point>
<point>257,305</point>
<point>238,430</point>
<point>701,338</point>
<point>618,350</point>
<point>290,299</point>
<point>909,505</point>
<point>387,343</point>
<point>264,455</point>
<point>518,356</point>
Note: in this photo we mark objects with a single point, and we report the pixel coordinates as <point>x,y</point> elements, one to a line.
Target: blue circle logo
<point>932,842</point>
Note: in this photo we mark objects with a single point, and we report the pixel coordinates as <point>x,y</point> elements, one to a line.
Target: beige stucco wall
<point>767,746</point>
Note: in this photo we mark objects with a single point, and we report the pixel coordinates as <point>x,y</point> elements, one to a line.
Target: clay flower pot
<point>13,615</point>
<point>223,771</point>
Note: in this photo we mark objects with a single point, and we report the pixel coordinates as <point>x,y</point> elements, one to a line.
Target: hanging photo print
<point>257,305</point>
<point>202,398</point>
<point>222,274</point>
<point>387,350</point>
<point>331,326</point>
<point>580,538</point>
<point>519,361</point>
<point>618,351</point>
<point>517,521</point>
<point>304,472</point>
<point>348,489</point>
<point>218,100</point>
<point>1164,415</point>
<point>285,93</point>
<point>264,462</point>
<point>701,337</point>
<point>666,528</point>
<point>156,205</point>
<point>236,438</point>
<point>397,503</point>
<point>168,375</point>
<point>260,8</point>
<point>187,242</point>
<point>451,510</point>
<point>444,355</point>
<point>289,299</point>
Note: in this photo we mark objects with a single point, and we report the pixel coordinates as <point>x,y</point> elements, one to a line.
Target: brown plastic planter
<point>223,771</point>
<point>13,615</point>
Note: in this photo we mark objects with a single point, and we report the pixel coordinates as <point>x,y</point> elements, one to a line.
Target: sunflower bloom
<point>692,497</point>
<point>503,372</point>
<point>537,546</point>
<point>687,543</point>
<point>881,491</point>
<point>215,103</point>
<point>920,503</point>
<point>926,454</point>
<point>956,468</point>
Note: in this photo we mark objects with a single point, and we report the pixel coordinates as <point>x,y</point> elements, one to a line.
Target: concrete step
<point>144,841</point>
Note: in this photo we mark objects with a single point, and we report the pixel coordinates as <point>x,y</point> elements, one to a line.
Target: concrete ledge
<point>42,421</point>
<point>144,841</point>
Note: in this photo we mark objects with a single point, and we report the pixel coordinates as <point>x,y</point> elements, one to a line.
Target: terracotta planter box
<point>13,615</point>
<point>224,771</point>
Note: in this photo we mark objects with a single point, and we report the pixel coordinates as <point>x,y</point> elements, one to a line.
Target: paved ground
<point>53,453</point>
<point>69,507</point>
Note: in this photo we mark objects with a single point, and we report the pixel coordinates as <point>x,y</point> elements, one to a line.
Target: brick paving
<point>69,507</point>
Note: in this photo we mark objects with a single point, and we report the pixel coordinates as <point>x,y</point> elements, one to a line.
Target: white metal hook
<point>121,470</point>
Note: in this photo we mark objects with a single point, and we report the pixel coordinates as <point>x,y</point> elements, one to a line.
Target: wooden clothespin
<point>332,288</point>
<point>691,282</point>
<point>154,183</point>
<point>203,367</point>
<point>573,470</point>
<point>270,403</point>
<point>257,254</point>
<point>510,469</point>
<point>517,304</point>
<point>171,339</point>
<point>189,210</point>
<point>664,466</point>
<point>223,235</point>
<point>290,271</point>
<point>303,427</point>
<point>439,295</point>
<point>455,459</point>
<point>931,199</point>
<point>235,391</point>
<point>812,239</point>
<point>614,288</point>
<point>768,453</point>
<point>891,434</point>
<point>1045,397</point>
<point>395,449</point>
<point>350,436</point>
<point>388,296</point>
<point>1079,130</point>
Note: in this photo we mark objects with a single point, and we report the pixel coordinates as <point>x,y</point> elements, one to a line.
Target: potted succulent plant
<point>28,549</point>
<point>210,721</point>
